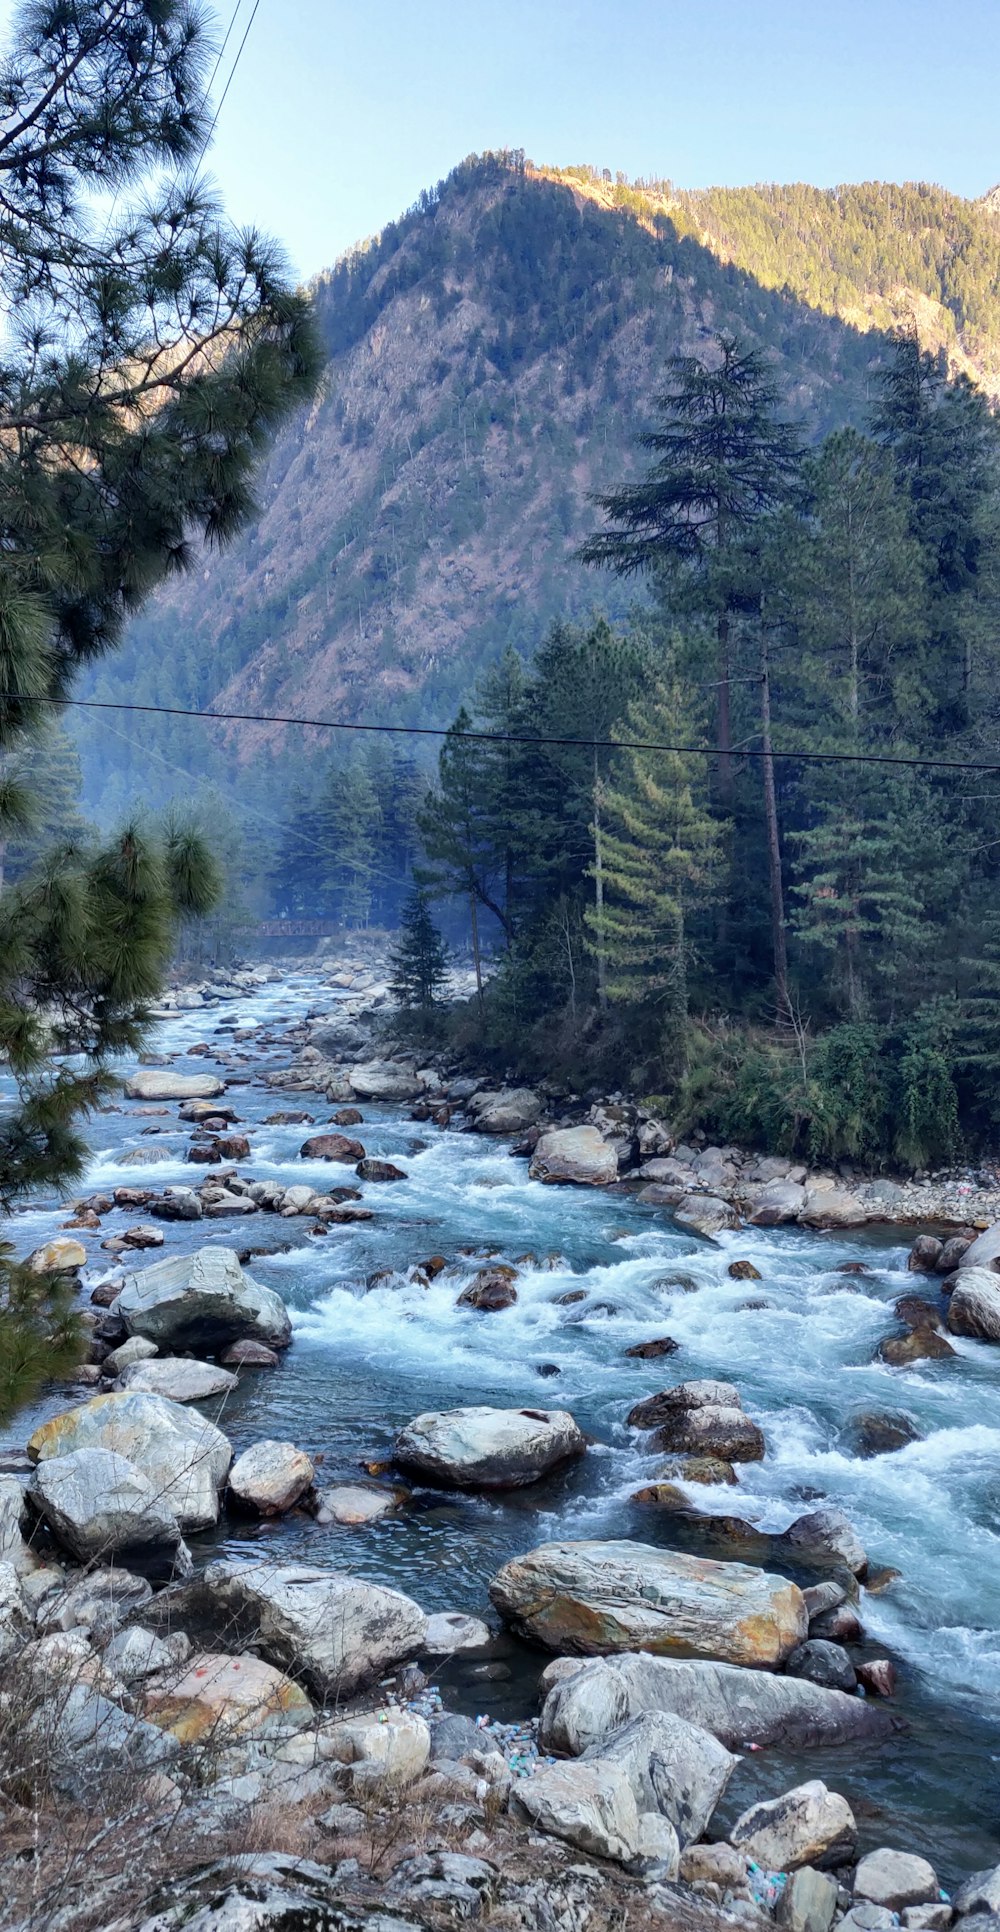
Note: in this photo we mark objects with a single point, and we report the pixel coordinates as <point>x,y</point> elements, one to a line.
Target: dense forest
<point>741,852</point>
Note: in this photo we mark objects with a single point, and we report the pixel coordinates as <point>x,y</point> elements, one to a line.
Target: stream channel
<point>363,1363</point>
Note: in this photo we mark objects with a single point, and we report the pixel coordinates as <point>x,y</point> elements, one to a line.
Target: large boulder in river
<point>509,1111</point>
<point>332,1147</point>
<point>728,1434</point>
<point>705,1214</point>
<point>178,1377</point>
<point>270,1477</point>
<point>481,1448</point>
<point>778,1201</point>
<point>832,1207</point>
<point>974,1308</point>
<point>340,1632</point>
<point>575,1154</point>
<point>738,1706</point>
<point>202,1301</point>
<point>807,1826</point>
<point>97,1504</point>
<point>384,1080</point>
<point>158,1083</point>
<point>983,1252</point>
<point>590,1598</point>
<point>184,1458</point>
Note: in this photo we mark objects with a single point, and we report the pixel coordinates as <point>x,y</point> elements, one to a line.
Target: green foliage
<point>41,1334</point>
<point>418,962</point>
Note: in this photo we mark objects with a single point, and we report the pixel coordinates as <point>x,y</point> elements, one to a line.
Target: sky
<point>340,111</point>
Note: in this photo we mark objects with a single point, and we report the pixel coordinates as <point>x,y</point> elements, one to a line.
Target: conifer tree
<point>418,961</point>
<point>661,849</point>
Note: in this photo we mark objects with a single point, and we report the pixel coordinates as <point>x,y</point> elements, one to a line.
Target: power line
<point>509,737</point>
<point>229,82</point>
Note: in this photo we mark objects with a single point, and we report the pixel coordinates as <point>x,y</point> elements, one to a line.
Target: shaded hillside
<point>492,357</point>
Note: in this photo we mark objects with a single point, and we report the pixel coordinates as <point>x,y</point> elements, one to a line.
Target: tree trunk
<point>782,999</point>
<point>477,959</point>
<point>725,719</point>
<point>602,971</point>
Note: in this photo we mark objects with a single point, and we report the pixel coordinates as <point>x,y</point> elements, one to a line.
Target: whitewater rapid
<point>365,1360</point>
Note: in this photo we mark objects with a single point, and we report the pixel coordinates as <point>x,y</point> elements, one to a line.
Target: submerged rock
<point>490,1291</point>
<point>483,1448</point>
<point>202,1301</point>
<point>589,1598</point>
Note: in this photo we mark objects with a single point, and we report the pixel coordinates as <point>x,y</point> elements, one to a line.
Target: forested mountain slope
<point>493,356</point>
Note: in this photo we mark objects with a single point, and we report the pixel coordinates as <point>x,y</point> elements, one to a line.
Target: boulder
<point>373,1170</point>
<point>823,1662</point>
<point>980,1893</point>
<point>101,1602</point>
<point>482,1448</point>
<point>178,1378</point>
<point>508,1112</point>
<point>271,1476</point>
<point>96,1504</point>
<point>726,1434</point>
<point>262,1892</point>
<point>15,1619</point>
<point>388,1747</point>
<point>878,1677</point>
<point>578,1155</point>
<point>82,1735</point>
<point>878,1432</point>
<point>136,1349</point>
<point>832,1207</point>
<point>202,1301</point>
<point>654,1409</point>
<point>136,1653</point>
<point>586,1701</point>
<point>983,1252</point>
<point>653,1350</point>
<point>924,1255</point>
<point>339,1632</point>
<point>58,1257</point>
<point>589,1598</point>
<point>451,1630</point>
<point>248,1355</point>
<point>894,1879</point>
<point>807,1826</point>
<point>590,1805</point>
<point>383,1080</point>
<point>974,1308</point>
<point>352,1505</point>
<point>332,1147</point>
<point>920,1345</point>
<point>827,1533</point>
<point>158,1083</point>
<point>674,1768</point>
<point>218,1698</point>
<point>705,1214</point>
<point>490,1291</point>
<point>808,1902</point>
<point>778,1202</point>
<point>183,1457</point>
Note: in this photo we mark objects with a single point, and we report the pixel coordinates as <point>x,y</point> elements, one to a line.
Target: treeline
<point>777,906</point>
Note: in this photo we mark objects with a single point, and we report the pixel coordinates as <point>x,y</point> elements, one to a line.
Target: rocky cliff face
<point>493,357</point>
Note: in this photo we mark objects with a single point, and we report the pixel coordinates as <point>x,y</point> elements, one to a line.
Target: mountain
<point>493,356</point>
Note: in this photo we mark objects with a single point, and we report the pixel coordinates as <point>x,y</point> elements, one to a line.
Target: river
<point>363,1363</point>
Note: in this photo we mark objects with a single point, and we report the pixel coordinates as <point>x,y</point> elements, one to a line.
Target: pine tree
<point>418,962</point>
<point>347,822</point>
<point>724,458</point>
<point>661,848</point>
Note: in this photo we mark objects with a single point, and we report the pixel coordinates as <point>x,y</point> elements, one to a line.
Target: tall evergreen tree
<point>724,458</point>
<point>418,961</point>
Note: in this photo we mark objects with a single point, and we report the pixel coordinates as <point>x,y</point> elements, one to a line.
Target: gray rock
<point>184,1458</point>
<point>82,1736</point>
<point>482,1448</point>
<point>684,1396</point>
<point>895,1879</point>
<point>586,1701</point>
<point>100,1602</point>
<point>340,1632</point>
<point>705,1214</point>
<point>264,1892</point>
<point>177,1204</point>
<point>809,1825</point>
<point>674,1768</point>
<point>509,1111</point>
<point>728,1434</point>
<point>136,1349</point>
<point>823,1663</point>
<point>595,1597</point>
<point>983,1252</point>
<point>15,1621</point>
<point>808,1902</point>
<point>454,1737</point>
<point>579,1155</point>
<point>96,1503</point>
<point>383,1080</point>
<point>270,1477</point>
<point>974,1308</point>
<point>451,1630</point>
<point>832,1207</point>
<point>979,1893</point>
<point>588,1803</point>
<point>158,1083</point>
<point>779,1201</point>
<point>868,1918</point>
<point>937,1918</point>
<point>135,1653</point>
<point>452,1883</point>
<point>202,1301</point>
<point>827,1532</point>
<point>178,1378</point>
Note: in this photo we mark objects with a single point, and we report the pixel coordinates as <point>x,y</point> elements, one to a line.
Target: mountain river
<point>363,1363</point>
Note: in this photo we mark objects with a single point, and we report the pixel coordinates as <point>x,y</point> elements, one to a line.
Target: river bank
<point>380,1335</point>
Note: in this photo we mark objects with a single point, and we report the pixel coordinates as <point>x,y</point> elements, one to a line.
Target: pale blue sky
<point>342,110</point>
